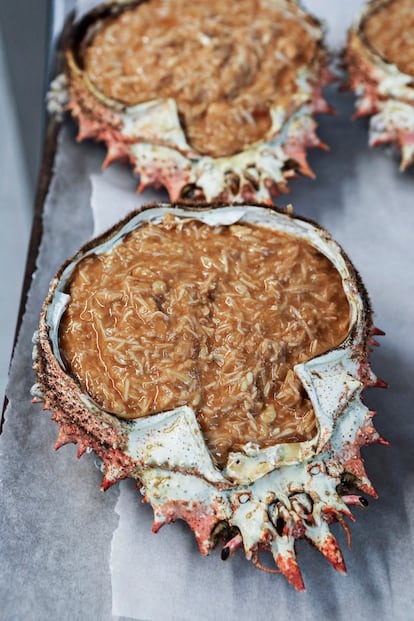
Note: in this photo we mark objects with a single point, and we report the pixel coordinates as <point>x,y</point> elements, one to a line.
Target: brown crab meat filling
<point>224,63</point>
<point>214,317</point>
<point>390,31</point>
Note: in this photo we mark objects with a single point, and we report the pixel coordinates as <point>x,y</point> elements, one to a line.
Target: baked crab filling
<point>389,30</point>
<point>216,317</point>
<point>225,65</point>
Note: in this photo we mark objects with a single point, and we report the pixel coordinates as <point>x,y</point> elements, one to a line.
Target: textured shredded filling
<point>213,317</point>
<point>390,30</point>
<point>224,63</point>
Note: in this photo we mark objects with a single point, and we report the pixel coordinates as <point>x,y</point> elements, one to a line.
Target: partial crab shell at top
<point>263,498</point>
<point>380,61</point>
<point>212,103</point>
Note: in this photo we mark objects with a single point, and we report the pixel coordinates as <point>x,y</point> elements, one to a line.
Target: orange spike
<point>143,186</point>
<point>111,156</point>
<point>106,484</point>
<point>86,129</point>
<point>160,519</point>
<point>64,438</point>
<point>146,181</point>
<point>290,569</point>
<point>365,108</point>
<point>406,142</point>
<point>81,449</point>
<point>174,187</point>
<point>111,477</point>
<point>300,157</point>
<point>366,486</point>
<point>156,525</point>
<point>407,159</point>
<point>331,551</point>
<point>380,383</point>
<point>355,466</point>
<point>381,440</point>
<point>320,105</point>
<point>116,152</point>
<point>383,138</point>
<point>369,435</point>
<point>359,114</point>
<point>327,109</point>
<point>322,145</point>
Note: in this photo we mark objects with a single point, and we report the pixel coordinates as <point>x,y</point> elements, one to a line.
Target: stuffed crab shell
<point>217,356</point>
<point>210,100</point>
<point>380,61</point>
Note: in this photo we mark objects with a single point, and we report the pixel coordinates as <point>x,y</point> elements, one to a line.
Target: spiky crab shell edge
<point>383,92</point>
<point>269,497</point>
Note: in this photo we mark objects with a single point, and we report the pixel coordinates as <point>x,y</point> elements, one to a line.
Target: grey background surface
<point>24,27</point>
<point>23,41</point>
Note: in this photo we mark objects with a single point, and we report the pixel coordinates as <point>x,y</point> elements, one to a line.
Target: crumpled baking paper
<point>70,552</point>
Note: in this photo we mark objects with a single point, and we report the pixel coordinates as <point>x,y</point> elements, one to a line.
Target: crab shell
<point>263,499</point>
<point>150,137</point>
<point>383,91</point>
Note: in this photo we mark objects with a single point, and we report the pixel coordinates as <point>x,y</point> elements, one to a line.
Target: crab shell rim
<point>187,485</point>
<point>384,92</point>
<point>164,158</point>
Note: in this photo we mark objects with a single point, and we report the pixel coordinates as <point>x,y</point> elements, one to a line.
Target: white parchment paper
<point>367,204</point>
<point>114,197</point>
<point>70,552</point>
